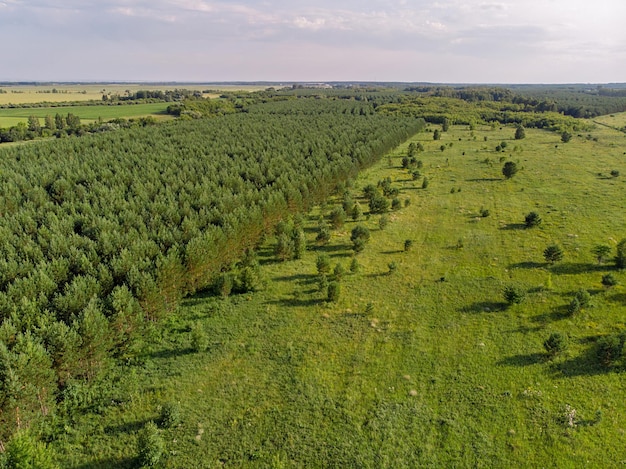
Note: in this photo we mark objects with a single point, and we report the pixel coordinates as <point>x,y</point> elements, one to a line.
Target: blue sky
<point>470,41</point>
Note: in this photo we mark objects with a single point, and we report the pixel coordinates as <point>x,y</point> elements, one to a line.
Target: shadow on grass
<point>171,353</point>
<point>397,251</point>
<point>484,179</point>
<point>123,463</point>
<point>129,427</point>
<point>527,265</point>
<point>523,359</point>
<point>296,302</point>
<point>618,298</point>
<point>484,307</point>
<point>303,279</point>
<point>585,364</point>
<point>558,314</point>
<point>513,226</point>
<point>574,268</point>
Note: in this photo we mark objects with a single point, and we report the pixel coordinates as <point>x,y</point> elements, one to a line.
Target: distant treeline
<point>102,234</point>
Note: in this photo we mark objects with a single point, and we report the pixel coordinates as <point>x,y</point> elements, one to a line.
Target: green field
<point>9,117</point>
<point>425,367</point>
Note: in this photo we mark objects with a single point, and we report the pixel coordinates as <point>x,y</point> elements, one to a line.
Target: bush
<point>408,244</point>
<point>339,271</point>
<point>396,204</point>
<point>609,280</point>
<point>170,414</point>
<point>199,338</point>
<point>149,445</point>
<point>383,222</point>
<point>323,233</point>
<point>357,212</point>
<point>509,169</point>
<point>354,266</point>
<point>393,266</point>
<point>566,137</point>
<point>425,183</point>
<point>553,253</point>
<point>484,212</point>
<point>601,251</point>
<point>555,344</point>
<point>574,306</point>
<point>583,297</point>
<point>337,217</point>
<point>378,204</point>
<point>532,220</point>
<point>513,295</point>
<point>24,451</point>
<point>615,173</point>
<point>610,349</point>
<point>520,132</point>
<point>322,263</point>
<point>334,291</point>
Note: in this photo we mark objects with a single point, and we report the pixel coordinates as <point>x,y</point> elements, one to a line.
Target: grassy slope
<point>435,374</point>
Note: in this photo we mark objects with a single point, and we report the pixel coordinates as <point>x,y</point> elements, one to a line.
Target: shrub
<point>615,173</point>
<point>355,266</point>
<point>555,344</point>
<point>436,135</point>
<point>337,217</point>
<point>149,445</point>
<point>566,137</point>
<point>509,169</point>
<point>334,290</point>
<point>24,451</point>
<point>520,132</point>
<point>322,284</point>
<point>408,244</point>
<point>170,414</point>
<point>415,175</point>
<point>322,263</point>
<point>393,266</point>
<point>383,222</point>
<point>609,280</point>
<point>553,253</point>
<point>513,295</point>
<point>610,349</point>
<point>199,338</point>
<point>357,212</point>
<point>532,220</point>
<point>574,306</point>
<point>484,212</point>
<point>425,183</point>
<point>339,271</point>
<point>378,204</point>
<point>601,251</point>
<point>583,297</point>
<point>396,204</point>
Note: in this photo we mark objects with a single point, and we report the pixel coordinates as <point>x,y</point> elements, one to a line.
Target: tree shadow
<point>513,226</point>
<point>574,268</point>
<point>585,364</point>
<point>296,302</point>
<point>171,353</point>
<point>523,359</point>
<point>397,251</point>
<point>484,307</point>
<point>618,298</point>
<point>303,279</point>
<point>527,265</point>
<point>484,179</point>
<point>118,463</point>
<point>128,427</point>
<point>557,314</point>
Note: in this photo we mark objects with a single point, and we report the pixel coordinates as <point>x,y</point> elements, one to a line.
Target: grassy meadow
<point>422,367</point>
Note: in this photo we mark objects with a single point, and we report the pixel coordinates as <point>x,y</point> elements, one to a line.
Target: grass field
<point>425,367</point>
<point>9,117</point>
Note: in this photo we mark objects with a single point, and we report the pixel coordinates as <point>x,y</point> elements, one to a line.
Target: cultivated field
<point>423,367</point>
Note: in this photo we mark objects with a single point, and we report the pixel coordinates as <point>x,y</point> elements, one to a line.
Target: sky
<point>442,41</point>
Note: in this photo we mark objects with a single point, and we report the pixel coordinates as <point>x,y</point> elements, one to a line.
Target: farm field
<point>28,94</point>
<point>420,362</point>
<point>10,117</point>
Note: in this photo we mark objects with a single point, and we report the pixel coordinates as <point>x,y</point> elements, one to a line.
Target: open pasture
<point>425,366</point>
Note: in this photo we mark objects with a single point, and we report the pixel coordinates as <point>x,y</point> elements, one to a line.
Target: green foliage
<point>610,349</point>
<point>322,263</point>
<point>337,217</point>
<point>171,414</point>
<point>445,125</point>
<point>150,445</point>
<point>608,280</point>
<point>408,244</point>
<point>425,183</point>
<point>513,295</point>
<point>355,267</point>
<point>339,271</point>
<point>556,343</point>
<point>566,137</point>
<point>393,267</point>
<point>520,132</point>
<point>334,291</point>
<point>509,169</point>
<point>357,212</point>
<point>359,235</point>
<point>23,451</point>
<point>553,254</point>
<point>532,220</point>
<point>574,306</point>
<point>436,134</point>
<point>199,338</point>
<point>323,233</point>
<point>620,256</point>
<point>614,173</point>
<point>601,251</point>
<point>396,204</point>
<point>383,222</point>
<point>484,212</point>
<point>378,204</point>
<point>583,297</point>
